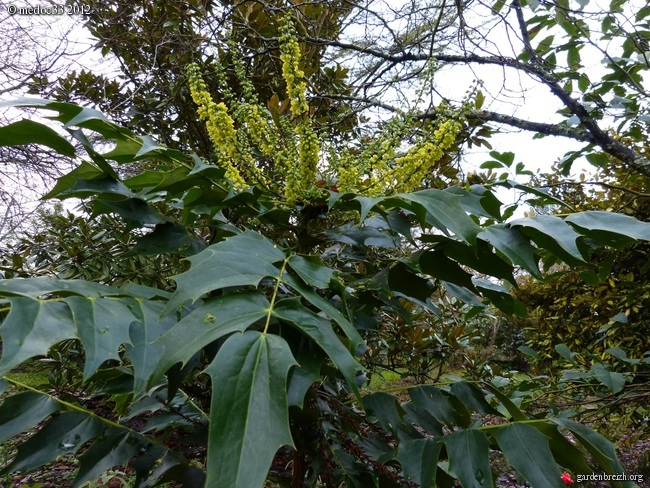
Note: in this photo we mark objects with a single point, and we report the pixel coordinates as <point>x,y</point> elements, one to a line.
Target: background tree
<point>36,52</point>
<point>550,44</point>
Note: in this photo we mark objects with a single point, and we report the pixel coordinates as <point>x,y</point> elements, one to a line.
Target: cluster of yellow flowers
<point>289,150</point>
<point>291,72</point>
<point>300,172</point>
<point>220,126</point>
<point>379,169</point>
<point>421,159</point>
<point>294,150</point>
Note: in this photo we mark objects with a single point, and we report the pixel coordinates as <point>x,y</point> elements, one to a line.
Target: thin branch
<point>560,130</point>
<point>598,183</point>
<point>596,135</point>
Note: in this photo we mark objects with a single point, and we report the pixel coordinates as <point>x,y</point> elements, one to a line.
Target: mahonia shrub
<point>255,357</point>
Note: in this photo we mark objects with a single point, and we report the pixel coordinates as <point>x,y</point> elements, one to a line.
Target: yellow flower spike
<point>250,147</point>
<point>291,72</point>
<point>309,154</point>
<point>220,126</point>
<point>418,161</point>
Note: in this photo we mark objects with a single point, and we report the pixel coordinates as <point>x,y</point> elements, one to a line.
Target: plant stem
<point>275,294</point>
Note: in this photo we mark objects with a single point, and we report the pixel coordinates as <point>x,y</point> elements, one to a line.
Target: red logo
<point>566,477</point>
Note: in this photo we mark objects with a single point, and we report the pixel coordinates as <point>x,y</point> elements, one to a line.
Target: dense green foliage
<point>225,290</point>
<point>263,309</point>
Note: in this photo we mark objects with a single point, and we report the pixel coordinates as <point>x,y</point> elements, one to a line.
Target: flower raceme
<point>292,151</point>
<point>220,126</point>
<point>291,72</point>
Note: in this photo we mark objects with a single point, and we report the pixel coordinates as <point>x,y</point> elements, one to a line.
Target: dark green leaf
<point>322,304</point>
<point>620,354</point>
<point>84,171</point>
<point>320,330</point>
<point>403,280</point>
<point>71,114</point>
<point>64,434</point>
<point>30,132</point>
<point>500,297</point>
<point>573,58</point>
<point>565,453</point>
<point>301,378</point>
<point>491,165</point>
<point>554,234</point>
<point>507,158</point>
<point>590,277</point>
<point>244,259</point>
<point>389,413</point>
<point>509,405</point>
<point>31,328</point>
<point>543,193</point>
<point>615,229</point>
<point>443,210</point>
<point>134,211</point>
<point>514,245</point>
<point>143,352</point>
<point>423,419</point>
<point>312,270</point>
<point>124,151</point>
<point>434,401</point>
<point>214,318</point>
<point>367,204</point>
<point>23,411</point>
<point>97,158</point>
<point>83,188</point>
<point>564,351</point>
<point>148,147</point>
<point>167,238</point>
<point>478,201</point>
<point>418,458</point>
<point>498,5</point>
<point>436,264</point>
<point>154,462</point>
<point>602,451</point>
<point>37,287</point>
<point>481,258</point>
<point>114,449</point>
<point>529,351</point>
<point>528,452</point>
<point>611,379</point>
<point>472,398</point>
<point>468,458</point>
<point>249,418</point>
<point>464,295</point>
<point>103,326</point>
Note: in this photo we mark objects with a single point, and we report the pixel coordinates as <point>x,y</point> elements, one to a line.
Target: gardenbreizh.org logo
<point>568,478</point>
